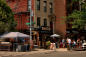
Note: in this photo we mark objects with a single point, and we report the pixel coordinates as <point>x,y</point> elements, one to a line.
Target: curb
<point>30,52</point>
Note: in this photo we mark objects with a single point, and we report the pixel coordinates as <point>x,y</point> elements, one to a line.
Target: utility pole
<point>30,22</point>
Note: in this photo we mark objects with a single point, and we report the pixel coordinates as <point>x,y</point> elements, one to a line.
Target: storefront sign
<point>45,28</point>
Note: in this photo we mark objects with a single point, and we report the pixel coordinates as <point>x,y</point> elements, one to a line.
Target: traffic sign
<point>27,23</point>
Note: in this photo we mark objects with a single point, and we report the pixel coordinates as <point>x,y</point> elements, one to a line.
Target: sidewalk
<point>6,53</point>
<point>61,49</point>
<point>78,49</point>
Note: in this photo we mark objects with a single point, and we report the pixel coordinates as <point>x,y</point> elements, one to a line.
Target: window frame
<point>45,22</point>
<point>38,21</point>
<point>38,4</point>
<point>45,6</point>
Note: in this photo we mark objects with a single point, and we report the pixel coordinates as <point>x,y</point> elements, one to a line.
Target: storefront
<point>35,38</point>
<point>73,34</point>
<point>44,34</point>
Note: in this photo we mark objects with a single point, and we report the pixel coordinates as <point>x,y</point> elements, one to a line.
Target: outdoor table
<point>4,47</point>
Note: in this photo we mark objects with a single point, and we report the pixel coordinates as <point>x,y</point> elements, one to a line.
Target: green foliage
<point>7,22</point>
<point>78,18</point>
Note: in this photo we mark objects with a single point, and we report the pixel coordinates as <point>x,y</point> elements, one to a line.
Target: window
<point>45,22</point>
<point>45,6</point>
<point>51,8</point>
<point>29,4</point>
<point>9,1</point>
<point>38,4</point>
<point>38,21</point>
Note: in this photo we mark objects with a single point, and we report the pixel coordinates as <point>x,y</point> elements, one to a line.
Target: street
<point>54,54</point>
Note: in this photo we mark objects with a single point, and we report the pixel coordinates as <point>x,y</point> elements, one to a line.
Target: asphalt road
<point>56,54</point>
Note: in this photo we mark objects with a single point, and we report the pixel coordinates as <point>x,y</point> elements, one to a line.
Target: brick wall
<point>21,21</point>
<point>60,11</point>
<point>20,6</point>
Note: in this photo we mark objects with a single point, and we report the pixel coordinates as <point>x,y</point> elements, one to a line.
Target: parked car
<point>84,46</point>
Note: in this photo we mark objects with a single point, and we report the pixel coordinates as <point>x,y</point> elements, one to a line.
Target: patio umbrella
<point>55,35</point>
<point>14,35</point>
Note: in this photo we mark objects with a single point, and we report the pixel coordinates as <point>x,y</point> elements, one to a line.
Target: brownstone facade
<point>20,8</point>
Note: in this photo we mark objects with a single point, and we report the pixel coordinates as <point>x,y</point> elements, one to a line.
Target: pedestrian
<point>31,45</point>
<point>74,44</point>
<point>63,43</point>
<point>48,44</point>
<point>53,45</point>
<point>78,43</point>
<point>83,41</point>
<point>69,43</point>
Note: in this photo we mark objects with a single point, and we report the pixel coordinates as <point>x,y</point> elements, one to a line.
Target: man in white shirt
<point>69,43</point>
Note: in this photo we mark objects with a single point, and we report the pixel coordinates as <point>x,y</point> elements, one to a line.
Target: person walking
<point>31,45</point>
<point>48,44</point>
<point>78,43</point>
<point>74,44</point>
<point>63,43</point>
<point>53,45</point>
<point>69,43</point>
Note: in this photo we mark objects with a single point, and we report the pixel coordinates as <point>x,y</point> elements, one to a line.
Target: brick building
<point>45,14</point>
<point>21,13</point>
<point>41,10</point>
<point>60,12</point>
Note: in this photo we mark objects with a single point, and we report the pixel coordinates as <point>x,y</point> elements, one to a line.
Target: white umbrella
<point>55,35</point>
<point>14,35</point>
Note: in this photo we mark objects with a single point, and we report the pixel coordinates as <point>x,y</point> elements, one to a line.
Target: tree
<point>7,22</point>
<point>78,17</point>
